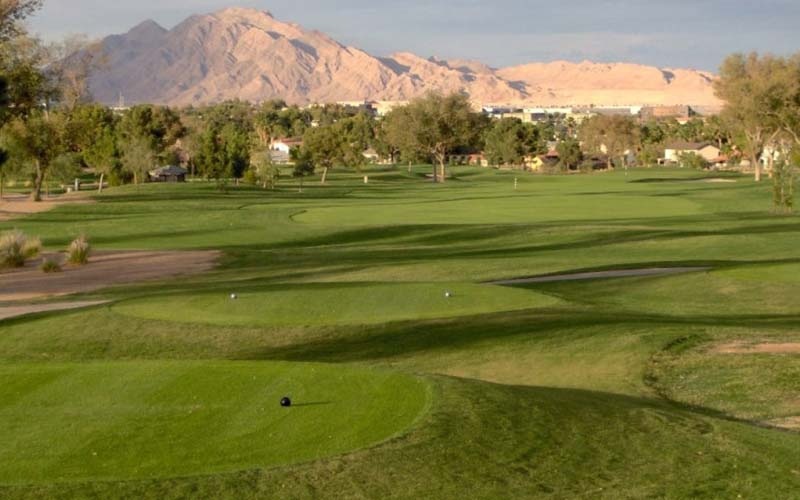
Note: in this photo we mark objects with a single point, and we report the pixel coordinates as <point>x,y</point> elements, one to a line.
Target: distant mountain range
<point>248,54</point>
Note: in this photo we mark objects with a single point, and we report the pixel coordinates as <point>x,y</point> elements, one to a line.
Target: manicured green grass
<point>333,304</point>
<point>491,441</point>
<point>604,388</point>
<point>126,420</point>
<point>770,273</point>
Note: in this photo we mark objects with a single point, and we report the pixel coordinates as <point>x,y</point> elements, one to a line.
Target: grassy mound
<point>334,304</point>
<point>721,372</point>
<point>126,420</point>
<point>490,441</point>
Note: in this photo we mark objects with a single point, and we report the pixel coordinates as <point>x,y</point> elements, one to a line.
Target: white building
<point>285,145</point>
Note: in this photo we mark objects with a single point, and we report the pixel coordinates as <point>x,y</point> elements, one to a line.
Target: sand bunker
<point>8,312</point>
<point>621,273</point>
<point>16,205</point>
<point>104,269</point>
<point>765,348</point>
<point>717,180</point>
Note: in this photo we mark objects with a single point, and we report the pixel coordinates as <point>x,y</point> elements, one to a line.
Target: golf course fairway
<point>411,376</point>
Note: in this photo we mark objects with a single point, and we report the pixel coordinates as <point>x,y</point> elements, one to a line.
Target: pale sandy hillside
<point>248,54</point>
<point>564,82</point>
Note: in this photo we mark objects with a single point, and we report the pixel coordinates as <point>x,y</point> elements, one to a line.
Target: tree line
<point>51,128</point>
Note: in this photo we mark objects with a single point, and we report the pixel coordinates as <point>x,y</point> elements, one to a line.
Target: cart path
<point>8,312</point>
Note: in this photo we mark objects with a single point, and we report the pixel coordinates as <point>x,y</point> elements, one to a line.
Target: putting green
<point>335,304</point>
<point>132,420</point>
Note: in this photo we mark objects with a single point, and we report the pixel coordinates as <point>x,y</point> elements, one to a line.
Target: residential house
<point>372,156</point>
<point>286,145</point>
<point>540,162</point>
<point>169,173</point>
<point>706,150</point>
<point>478,160</point>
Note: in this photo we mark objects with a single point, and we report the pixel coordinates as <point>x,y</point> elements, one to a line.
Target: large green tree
<point>146,136</point>
<point>224,141</point>
<point>784,109</point>
<point>762,102</point>
<point>569,154</point>
<point>324,147</point>
<point>274,119</point>
<point>160,126</point>
<point>263,171</point>
<point>746,85</point>
<point>29,87</point>
<point>613,135</point>
<point>339,144</point>
<point>36,140</point>
<point>138,158</point>
<point>506,142</point>
<point>397,137</point>
<point>91,131</point>
<point>441,125</point>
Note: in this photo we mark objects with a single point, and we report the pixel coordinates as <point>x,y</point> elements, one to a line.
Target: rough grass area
<point>760,387</point>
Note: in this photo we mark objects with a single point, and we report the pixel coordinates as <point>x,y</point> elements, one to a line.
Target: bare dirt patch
<point>764,348</point>
<point>104,269</point>
<point>16,205</point>
<point>717,180</point>
<point>8,312</point>
<point>792,423</point>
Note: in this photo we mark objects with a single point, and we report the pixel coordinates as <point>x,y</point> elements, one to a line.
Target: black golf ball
<point>286,402</point>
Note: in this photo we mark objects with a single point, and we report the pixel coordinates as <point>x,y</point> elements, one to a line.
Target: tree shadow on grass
<point>407,339</point>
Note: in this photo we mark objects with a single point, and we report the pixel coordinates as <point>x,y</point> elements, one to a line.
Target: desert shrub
<point>16,248</point>
<point>78,251</point>
<point>51,266</point>
<point>783,178</point>
<point>692,160</point>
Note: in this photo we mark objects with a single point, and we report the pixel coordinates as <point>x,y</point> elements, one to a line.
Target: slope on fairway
<point>487,441</point>
<point>125,420</point>
<point>333,304</point>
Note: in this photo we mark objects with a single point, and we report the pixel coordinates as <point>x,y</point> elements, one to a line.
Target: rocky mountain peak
<point>244,53</point>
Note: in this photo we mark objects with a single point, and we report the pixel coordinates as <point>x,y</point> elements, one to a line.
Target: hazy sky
<point>666,33</point>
